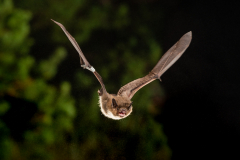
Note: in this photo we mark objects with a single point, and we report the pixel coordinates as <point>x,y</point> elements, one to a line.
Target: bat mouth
<point>122,113</point>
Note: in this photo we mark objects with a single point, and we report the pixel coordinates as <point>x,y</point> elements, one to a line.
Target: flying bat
<point>119,106</point>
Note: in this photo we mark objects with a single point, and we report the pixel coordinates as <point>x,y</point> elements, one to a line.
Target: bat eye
<point>114,103</point>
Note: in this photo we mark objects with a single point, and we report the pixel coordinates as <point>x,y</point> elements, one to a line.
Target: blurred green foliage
<point>39,118</point>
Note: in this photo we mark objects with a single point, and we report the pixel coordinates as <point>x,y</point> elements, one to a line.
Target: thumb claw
<point>88,68</point>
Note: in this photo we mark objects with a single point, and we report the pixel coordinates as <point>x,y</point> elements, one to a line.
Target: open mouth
<point>122,113</point>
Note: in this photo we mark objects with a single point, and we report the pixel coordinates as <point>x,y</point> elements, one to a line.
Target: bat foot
<point>88,68</point>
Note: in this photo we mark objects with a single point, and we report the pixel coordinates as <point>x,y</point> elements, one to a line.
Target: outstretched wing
<point>167,60</point>
<point>83,61</point>
<point>131,88</point>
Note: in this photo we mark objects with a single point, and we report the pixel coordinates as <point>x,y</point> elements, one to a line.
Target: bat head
<point>115,107</point>
<point>121,109</point>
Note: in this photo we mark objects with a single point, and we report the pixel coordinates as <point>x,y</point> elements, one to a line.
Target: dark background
<point>201,115</point>
<point>50,107</point>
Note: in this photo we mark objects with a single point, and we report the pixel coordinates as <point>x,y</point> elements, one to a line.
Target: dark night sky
<point>202,113</point>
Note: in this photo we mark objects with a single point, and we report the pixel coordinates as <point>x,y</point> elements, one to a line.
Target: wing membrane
<point>167,60</point>
<point>83,61</point>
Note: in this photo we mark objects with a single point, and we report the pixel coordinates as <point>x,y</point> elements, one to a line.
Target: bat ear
<point>114,103</point>
<point>130,106</point>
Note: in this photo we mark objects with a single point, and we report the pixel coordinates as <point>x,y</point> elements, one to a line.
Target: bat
<point>119,106</point>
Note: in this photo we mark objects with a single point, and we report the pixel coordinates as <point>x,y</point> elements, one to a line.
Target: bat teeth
<point>122,114</point>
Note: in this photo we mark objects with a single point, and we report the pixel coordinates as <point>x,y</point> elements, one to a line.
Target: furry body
<point>105,104</point>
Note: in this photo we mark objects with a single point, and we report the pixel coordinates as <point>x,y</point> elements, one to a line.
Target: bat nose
<point>123,111</point>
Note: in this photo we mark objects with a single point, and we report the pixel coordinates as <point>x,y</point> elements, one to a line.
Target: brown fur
<point>108,110</point>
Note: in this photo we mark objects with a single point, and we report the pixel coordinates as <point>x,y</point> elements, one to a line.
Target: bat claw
<point>88,68</point>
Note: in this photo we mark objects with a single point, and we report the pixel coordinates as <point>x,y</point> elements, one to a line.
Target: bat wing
<point>83,61</point>
<point>167,60</point>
